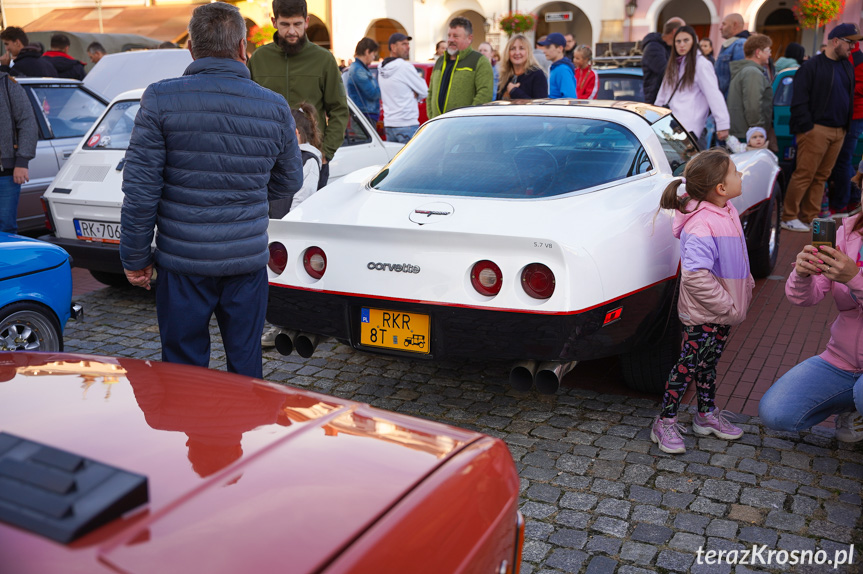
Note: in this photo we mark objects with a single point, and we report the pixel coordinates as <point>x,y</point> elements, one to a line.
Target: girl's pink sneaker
<point>715,422</point>
<point>666,433</point>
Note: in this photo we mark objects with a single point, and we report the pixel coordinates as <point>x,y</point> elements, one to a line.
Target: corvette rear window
<point>115,129</point>
<point>514,157</point>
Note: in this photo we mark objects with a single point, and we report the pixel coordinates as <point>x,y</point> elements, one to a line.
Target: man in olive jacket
<point>303,72</point>
<point>462,77</point>
<point>750,95</point>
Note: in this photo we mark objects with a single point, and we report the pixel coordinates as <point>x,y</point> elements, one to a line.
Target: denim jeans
<point>401,135</point>
<point>9,193</point>
<point>809,393</point>
<point>840,191</point>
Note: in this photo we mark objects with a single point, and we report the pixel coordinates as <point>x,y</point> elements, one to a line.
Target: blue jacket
<point>561,81</point>
<point>723,61</point>
<point>207,152</point>
<point>363,88</point>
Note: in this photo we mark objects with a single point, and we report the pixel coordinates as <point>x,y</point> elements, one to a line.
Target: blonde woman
<point>521,77</point>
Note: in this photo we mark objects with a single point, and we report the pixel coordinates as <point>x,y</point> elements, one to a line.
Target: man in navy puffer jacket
<point>208,150</point>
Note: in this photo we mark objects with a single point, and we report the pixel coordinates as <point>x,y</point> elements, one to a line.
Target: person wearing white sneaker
<point>832,382</point>
<point>795,225</point>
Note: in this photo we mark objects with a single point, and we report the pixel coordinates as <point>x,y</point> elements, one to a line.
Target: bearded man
<point>303,72</point>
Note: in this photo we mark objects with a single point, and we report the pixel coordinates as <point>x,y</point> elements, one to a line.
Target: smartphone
<point>824,232</point>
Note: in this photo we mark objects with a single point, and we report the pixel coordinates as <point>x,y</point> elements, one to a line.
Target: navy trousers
<point>184,305</point>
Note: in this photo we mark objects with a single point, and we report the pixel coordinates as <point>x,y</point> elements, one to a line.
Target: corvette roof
<point>651,114</point>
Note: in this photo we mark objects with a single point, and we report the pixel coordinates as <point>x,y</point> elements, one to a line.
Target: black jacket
<point>654,58</point>
<point>30,63</point>
<point>533,85</point>
<point>66,66</point>
<point>812,87</point>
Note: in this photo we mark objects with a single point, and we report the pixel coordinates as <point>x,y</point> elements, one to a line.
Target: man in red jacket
<point>58,55</point>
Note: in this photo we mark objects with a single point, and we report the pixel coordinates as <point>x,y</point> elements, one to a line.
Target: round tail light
<point>315,262</point>
<point>538,281</point>
<point>278,258</point>
<point>486,278</point>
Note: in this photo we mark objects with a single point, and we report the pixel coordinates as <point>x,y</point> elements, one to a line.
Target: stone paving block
<point>758,535</point>
<point>704,568</point>
<point>652,533</point>
<point>537,530</point>
<point>677,500</point>
<point>573,519</point>
<point>640,458</point>
<point>722,528</point>
<point>689,522</point>
<point>706,506</point>
<point>714,543</point>
<point>793,542</point>
<point>796,459</point>
<point>825,465</point>
<point>584,450</point>
<point>849,498</point>
<point>785,521</point>
<point>784,485</point>
<point>743,477</point>
<point>638,552</point>
<point>572,481</point>
<point>608,487</point>
<point>690,455</point>
<point>626,569</point>
<point>614,507</point>
<point>742,513</point>
<point>650,514</point>
<point>603,544</point>
<point>610,526</point>
<point>566,560</point>
<point>677,483</point>
<point>534,550</point>
<point>607,469</point>
<point>763,498</point>
<point>842,514</point>
<point>852,470</point>
<point>569,538</point>
<point>712,444</point>
<point>792,474</point>
<point>537,510</point>
<point>645,495</point>
<point>838,483</point>
<point>687,542</point>
<point>637,474</point>
<point>721,490</point>
<point>814,491</point>
<point>543,493</point>
<point>741,450</point>
<point>675,561</point>
<point>572,463</point>
<point>533,473</point>
<point>578,501</point>
<point>671,465</point>
<point>613,455</point>
<point>753,466</point>
<point>705,470</point>
<point>601,564</point>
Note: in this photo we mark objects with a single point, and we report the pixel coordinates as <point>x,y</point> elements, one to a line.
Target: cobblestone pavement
<point>598,496</point>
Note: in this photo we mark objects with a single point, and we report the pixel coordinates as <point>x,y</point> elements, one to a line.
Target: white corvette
<point>517,231</point>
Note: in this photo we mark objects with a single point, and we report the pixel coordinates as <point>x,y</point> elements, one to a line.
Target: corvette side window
<point>676,143</point>
<point>356,134</point>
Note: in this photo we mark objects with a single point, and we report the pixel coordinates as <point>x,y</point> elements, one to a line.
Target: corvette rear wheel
<point>29,327</point>
<point>763,254</point>
<point>645,369</point>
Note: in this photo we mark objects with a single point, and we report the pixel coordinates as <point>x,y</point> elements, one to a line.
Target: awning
<point>165,23</point>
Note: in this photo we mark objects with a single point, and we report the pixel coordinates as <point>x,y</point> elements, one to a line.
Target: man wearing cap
<point>401,90</point>
<point>561,80</point>
<point>821,114</point>
<point>463,77</point>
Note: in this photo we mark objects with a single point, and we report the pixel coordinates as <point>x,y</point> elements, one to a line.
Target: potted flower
<point>260,35</point>
<point>814,13</point>
<point>517,23</point>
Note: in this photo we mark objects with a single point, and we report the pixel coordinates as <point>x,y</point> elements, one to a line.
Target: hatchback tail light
<point>315,262</point>
<point>49,221</point>
<point>538,281</point>
<point>486,278</point>
<point>278,258</point>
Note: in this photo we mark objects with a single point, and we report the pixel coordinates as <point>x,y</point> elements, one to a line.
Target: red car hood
<point>244,475</point>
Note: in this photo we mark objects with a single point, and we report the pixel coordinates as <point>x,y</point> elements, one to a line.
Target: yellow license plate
<point>395,330</point>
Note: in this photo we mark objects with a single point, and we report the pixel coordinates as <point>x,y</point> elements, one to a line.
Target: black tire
<point>645,369</point>
<point>111,279</point>
<point>764,251</point>
<point>26,326</point>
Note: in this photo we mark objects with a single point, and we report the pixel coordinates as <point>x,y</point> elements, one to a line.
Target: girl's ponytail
<point>306,118</point>
<point>670,199</point>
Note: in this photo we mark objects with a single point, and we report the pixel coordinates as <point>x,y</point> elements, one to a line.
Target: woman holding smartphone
<point>521,77</point>
<point>832,382</point>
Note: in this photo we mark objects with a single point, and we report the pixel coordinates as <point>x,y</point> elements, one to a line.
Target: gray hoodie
<point>17,126</point>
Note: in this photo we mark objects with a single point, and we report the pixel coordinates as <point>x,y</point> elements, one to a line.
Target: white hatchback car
<point>524,232</point>
<point>83,203</point>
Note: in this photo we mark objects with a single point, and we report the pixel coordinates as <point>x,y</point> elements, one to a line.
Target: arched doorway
<point>578,25</point>
<point>695,14</point>
<point>776,20</point>
<point>381,30</point>
<point>318,33</point>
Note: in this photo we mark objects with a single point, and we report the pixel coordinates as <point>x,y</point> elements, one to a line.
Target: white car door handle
<point>67,154</point>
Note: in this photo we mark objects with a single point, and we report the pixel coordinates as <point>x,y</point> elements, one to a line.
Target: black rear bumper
<point>489,334</point>
<point>89,254</point>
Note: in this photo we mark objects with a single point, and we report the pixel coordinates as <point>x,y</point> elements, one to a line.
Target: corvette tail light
<point>278,258</point>
<point>486,278</point>
<point>538,281</point>
<point>49,221</point>
<point>315,262</point>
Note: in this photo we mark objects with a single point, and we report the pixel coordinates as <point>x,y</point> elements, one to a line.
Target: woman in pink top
<point>689,87</point>
<point>832,382</point>
<point>715,291</point>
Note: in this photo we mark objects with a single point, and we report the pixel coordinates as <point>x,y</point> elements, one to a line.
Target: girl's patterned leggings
<point>702,347</point>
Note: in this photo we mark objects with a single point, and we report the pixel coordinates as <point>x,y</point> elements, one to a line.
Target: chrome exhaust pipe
<point>521,375</point>
<point>285,342</point>
<point>549,375</point>
<point>306,343</point>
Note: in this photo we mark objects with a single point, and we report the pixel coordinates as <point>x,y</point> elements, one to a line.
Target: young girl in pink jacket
<point>832,382</point>
<point>715,291</point>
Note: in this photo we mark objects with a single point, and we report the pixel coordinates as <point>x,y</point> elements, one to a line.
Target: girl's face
<point>706,48</point>
<point>683,43</point>
<point>757,140</point>
<point>733,183</point>
<point>518,53</point>
<point>579,60</point>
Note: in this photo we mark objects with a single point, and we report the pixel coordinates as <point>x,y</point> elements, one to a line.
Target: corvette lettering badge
<point>397,267</point>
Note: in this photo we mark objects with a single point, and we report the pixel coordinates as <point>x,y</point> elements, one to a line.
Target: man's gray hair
<point>461,21</point>
<point>216,30</point>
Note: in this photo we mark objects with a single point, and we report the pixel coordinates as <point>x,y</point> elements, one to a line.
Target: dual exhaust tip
<point>303,343</point>
<point>546,375</point>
